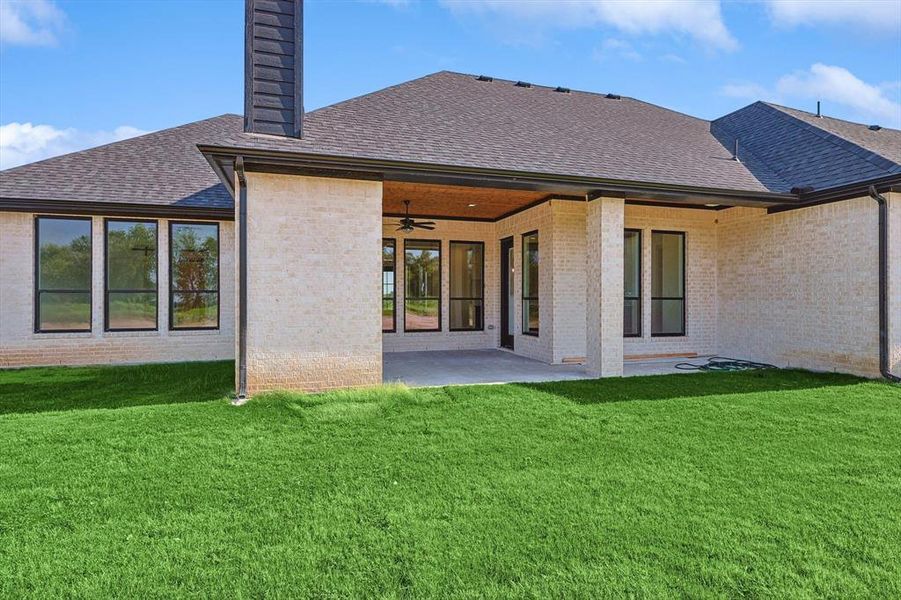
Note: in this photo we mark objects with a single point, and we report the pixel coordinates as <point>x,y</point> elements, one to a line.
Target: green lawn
<point>145,481</point>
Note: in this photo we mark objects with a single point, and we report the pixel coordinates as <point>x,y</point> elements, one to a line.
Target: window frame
<point>106,290</point>
<point>37,275</point>
<point>440,285</point>
<point>640,282</point>
<point>218,289</point>
<point>684,300</point>
<point>522,285</point>
<point>394,285</point>
<point>451,298</point>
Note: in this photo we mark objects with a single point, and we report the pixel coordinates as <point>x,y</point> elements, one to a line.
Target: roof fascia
<point>857,189</point>
<point>115,209</point>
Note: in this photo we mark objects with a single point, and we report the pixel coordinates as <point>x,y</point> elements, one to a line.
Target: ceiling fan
<point>407,224</point>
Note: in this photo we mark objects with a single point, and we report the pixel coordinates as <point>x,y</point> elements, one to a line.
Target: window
<point>193,275</point>
<point>422,281</point>
<point>467,274</point>
<point>62,299</point>
<point>530,283</point>
<point>131,283</point>
<point>388,294</point>
<point>667,283</point>
<point>632,283</point>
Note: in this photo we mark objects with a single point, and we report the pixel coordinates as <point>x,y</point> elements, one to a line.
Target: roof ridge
<point>874,158</point>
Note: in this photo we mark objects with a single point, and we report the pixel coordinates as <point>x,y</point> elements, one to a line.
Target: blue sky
<point>78,73</point>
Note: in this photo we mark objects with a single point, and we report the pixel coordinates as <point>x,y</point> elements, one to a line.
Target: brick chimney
<point>273,67</point>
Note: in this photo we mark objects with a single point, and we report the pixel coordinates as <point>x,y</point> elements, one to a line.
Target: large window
<point>467,274</point>
<point>193,275</point>
<point>62,298</point>
<point>530,283</point>
<point>667,283</point>
<point>131,269</point>
<point>632,283</point>
<point>389,263</point>
<point>422,282</point>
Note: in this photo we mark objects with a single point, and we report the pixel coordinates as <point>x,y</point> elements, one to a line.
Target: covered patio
<point>464,367</point>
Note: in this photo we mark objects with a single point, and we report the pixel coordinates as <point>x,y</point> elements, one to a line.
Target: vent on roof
<point>613,96</point>
<point>562,89</point>
<point>874,127</point>
<point>484,78</point>
<point>523,84</point>
<point>806,189</point>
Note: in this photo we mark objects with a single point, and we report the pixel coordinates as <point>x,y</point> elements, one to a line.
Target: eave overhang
<point>858,189</point>
<point>116,209</point>
<point>223,158</point>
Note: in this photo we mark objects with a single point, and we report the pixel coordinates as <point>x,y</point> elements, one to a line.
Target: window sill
<point>190,332</point>
<point>62,334</point>
<point>132,333</point>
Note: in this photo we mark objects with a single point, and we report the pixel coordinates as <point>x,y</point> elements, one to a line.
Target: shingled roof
<point>162,168</point>
<point>787,148</point>
<point>455,120</point>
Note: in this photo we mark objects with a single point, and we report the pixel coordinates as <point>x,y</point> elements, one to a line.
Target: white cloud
<point>835,86</point>
<point>879,15</point>
<point>699,19</point>
<point>22,143</point>
<point>612,47</point>
<point>673,58</point>
<point>30,22</point>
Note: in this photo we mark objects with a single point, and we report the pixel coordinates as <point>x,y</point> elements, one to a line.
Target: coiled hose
<point>722,363</point>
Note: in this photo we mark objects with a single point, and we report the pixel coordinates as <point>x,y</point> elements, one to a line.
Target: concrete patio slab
<point>462,367</point>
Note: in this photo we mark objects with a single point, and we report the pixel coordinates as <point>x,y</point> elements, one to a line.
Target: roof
<point>883,141</point>
<point>453,119</point>
<point>787,148</point>
<point>162,168</point>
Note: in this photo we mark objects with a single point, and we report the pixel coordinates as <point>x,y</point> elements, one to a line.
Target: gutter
<point>883,286</point>
<point>362,168</point>
<point>241,396</point>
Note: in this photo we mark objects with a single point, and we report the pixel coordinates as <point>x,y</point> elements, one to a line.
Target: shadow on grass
<point>74,388</point>
<point>664,387</point>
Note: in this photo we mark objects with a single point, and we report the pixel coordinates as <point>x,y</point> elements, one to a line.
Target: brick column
<point>604,282</point>
<point>314,271</point>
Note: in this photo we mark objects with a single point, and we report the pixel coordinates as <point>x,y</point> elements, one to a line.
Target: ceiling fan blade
<point>426,222</point>
<point>426,227</point>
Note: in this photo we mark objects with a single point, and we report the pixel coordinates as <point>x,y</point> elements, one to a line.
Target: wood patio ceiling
<point>449,201</point>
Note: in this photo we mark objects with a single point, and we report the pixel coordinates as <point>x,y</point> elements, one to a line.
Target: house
<point>567,226</point>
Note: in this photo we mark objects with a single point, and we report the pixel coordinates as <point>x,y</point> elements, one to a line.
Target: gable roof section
<point>160,169</point>
<point>787,148</point>
<point>456,120</point>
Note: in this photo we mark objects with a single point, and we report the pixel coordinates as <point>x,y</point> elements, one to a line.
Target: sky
<point>79,73</point>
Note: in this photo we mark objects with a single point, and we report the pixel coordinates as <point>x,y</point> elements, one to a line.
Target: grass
<point>145,481</point>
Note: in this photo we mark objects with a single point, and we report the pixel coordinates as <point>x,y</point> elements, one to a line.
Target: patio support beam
<point>604,282</point>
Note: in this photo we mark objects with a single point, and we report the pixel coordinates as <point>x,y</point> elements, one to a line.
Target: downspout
<point>242,282</point>
<point>883,286</point>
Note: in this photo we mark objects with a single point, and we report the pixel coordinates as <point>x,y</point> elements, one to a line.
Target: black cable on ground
<point>722,363</point>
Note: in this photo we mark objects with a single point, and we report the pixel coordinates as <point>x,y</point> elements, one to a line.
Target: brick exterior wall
<point>314,269</point>
<point>799,288</point>
<point>700,228</point>
<point>20,346</point>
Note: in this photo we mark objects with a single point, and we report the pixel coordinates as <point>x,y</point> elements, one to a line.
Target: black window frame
<point>37,275</point>
<point>106,290</point>
<point>640,284</point>
<point>393,286</point>
<point>440,286</point>
<point>451,298</point>
<point>217,291</point>
<point>522,285</point>
<point>684,300</point>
